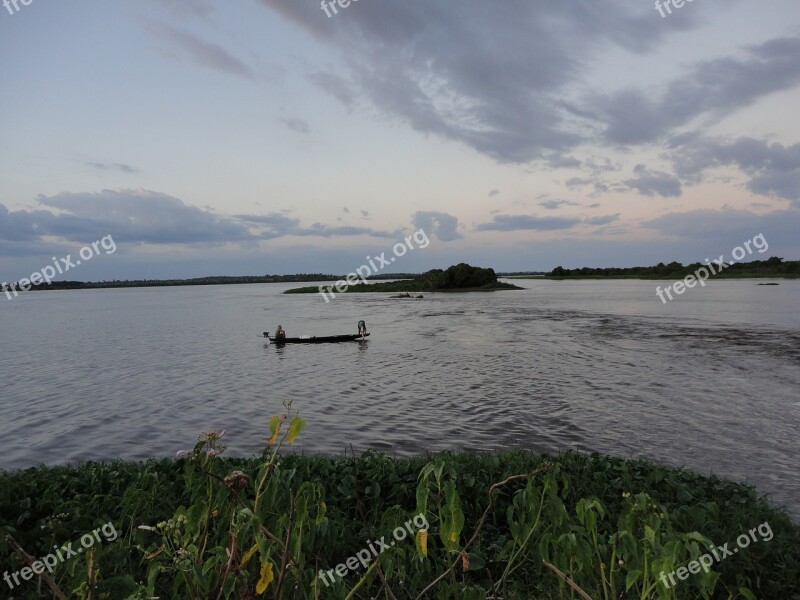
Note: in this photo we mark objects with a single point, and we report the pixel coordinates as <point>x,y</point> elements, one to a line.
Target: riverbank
<point>610,524</point>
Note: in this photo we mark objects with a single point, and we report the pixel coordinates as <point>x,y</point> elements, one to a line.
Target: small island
<point>457,278</point>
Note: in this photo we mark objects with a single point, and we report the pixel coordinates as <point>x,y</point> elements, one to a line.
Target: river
<point>709,381</point>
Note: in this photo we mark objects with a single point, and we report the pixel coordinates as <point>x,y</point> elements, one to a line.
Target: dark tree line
<point>772,267</point>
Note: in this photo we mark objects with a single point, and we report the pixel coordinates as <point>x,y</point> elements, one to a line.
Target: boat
<point>324,339</point>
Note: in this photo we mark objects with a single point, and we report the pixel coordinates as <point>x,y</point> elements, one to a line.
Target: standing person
<point>362,328</point>
<point>280,334</point>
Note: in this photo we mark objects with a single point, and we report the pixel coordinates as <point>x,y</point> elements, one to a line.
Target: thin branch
<point>361,581</point>
<point>29,560</point>
<point>231,557</point>
<point>567,580</point>
<point>92,579</point>
<point>286,548</point>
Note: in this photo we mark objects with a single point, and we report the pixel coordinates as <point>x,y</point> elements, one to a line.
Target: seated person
<point>280,334</point>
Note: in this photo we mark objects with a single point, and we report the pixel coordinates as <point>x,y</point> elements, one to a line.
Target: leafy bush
<point>506,525</point>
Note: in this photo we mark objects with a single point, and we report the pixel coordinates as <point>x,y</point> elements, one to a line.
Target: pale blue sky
<point>261,136</point>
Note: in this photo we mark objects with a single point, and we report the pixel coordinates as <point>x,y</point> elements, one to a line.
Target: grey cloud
<point>297,125</point>
<point>603,220</point>
<point>714,87</point>
<point>122,168</point>
<point>438,224</point>
<point>201,52</point>
<point>134,216</point>
<point>277,225</point>
<point>562,162</point>
<point>493,193</point>
<point>527,222</point>
<point>554,204</point>
<point>649,183</point>
<point>731,226</point>
<point>449,77</point>
<point>138,216</point>
<point>774,169</point>
<point>336,86</point>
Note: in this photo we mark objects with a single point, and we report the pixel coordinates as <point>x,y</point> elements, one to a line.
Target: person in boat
<point>280,334</point>
<point>362,328</point>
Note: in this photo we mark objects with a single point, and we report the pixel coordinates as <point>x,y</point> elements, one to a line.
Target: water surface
<point>709,381</point>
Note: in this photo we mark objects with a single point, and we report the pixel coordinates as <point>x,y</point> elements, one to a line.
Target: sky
<point>276,136</point>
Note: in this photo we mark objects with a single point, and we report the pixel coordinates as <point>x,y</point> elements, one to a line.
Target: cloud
<point>438,224</point>
<point>554,204</point>
<point>527,222</point>
<point>297,125</point>
<point>603,220</point>
<point>122,168</point>
<point>277,225</point>
<point>138,216</point>
<point>336,86</point>
<point>493,193</point>
<point>730,225</point>
<point>773,169</point>
<point>715,87</point>
<point>649,182</point>
<point>198,51</point>
<point>133,216</point>
<point>401,57</point>
<point>562,162</point>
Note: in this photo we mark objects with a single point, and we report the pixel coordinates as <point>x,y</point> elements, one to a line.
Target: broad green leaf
<point>476,562</point>
<point>748,595</point>
<point>631,578</point>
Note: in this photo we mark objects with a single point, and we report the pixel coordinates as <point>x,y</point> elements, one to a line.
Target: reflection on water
<point>710,383</point>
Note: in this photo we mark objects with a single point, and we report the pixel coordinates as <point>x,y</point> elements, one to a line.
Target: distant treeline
<point>216,280</point>
<point>772,267</point>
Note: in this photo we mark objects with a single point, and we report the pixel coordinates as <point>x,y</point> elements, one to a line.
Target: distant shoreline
<point>650,277</point>
<point>770,269</point>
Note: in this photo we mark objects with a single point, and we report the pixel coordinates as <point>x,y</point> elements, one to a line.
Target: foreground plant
<point>511,525</point>
<point>238,536</point>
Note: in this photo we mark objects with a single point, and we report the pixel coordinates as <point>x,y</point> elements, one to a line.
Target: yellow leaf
<point>421,542</point>
<point>453,536</point>
<point>274,429</point>
<point>295,427</point>
<point>266,578</point>
<point>155,553</point>
<point>248,555</point>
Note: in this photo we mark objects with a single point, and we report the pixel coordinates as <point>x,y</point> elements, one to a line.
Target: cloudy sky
<point>264,136</point>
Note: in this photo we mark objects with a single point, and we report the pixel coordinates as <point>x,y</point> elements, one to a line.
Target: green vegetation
<point>457,278</point>
<point>215,280</point>
<point>772,267</point>
<point>499,525</point>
